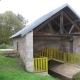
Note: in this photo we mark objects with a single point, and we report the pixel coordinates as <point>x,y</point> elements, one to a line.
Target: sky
<point>33,9</point>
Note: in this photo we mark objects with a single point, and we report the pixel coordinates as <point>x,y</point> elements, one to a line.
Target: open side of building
<point>58,29</point>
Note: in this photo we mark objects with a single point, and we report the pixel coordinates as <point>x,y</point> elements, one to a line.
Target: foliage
<point>10,70</point>
<point>9,24</point>
<point>76,76</point>
<point>22,19</point>
<point>5,46</point>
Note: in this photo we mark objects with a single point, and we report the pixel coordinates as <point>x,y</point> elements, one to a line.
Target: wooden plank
<point>61,22</point>
<point>71,21</point>
<point>47,21</point>
<point>71,29</point>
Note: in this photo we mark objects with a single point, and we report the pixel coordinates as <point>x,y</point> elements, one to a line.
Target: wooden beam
<point>47,38</point>
<point>39,33</point>
<point>54,35</point>
<point>61,22</point>
<point>51,29</point>
<point>71,29</point>
<point>59,25</point>
<point>47,35</point>
<point>72,34</point>
<point>71,21</point>
<point>47,21</point>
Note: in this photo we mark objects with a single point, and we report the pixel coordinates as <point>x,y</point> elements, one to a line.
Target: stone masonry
<point>25,49</point>
<point>29,51</point>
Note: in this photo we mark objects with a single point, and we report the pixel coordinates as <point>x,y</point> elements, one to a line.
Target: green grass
<point>10,70</point>
<point>76,76</point>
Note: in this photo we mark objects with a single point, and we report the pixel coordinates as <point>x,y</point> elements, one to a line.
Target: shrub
<point>76,76</point>
<point>5,46</point>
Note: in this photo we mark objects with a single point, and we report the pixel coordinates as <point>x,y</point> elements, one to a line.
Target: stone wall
<point>21,47</point>
<point>54,42</point>
<point>42,42</point>
<point>76,44</point>
<point>66,44</point>
<point>25,49</point>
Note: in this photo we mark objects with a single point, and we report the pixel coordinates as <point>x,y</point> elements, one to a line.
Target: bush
<point>5,46</point>
<point>76,76</point>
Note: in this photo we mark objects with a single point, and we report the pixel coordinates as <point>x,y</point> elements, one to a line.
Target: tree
<point>22,19</point>
<point>9,24</point>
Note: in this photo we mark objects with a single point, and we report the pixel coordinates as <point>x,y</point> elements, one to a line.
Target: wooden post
<point>61,22</point>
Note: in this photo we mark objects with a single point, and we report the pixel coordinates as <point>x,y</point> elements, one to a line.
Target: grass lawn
<point>10,70</point>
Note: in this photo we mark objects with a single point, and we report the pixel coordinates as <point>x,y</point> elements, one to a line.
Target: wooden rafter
<point>47,21</point>
<point>71,29</point>
<point>71,21</point>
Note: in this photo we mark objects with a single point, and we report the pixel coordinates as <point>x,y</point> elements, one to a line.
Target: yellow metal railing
<point>73,58</point>
<point>51,53</point>
<point>55,54</point>
<point>40,64</point>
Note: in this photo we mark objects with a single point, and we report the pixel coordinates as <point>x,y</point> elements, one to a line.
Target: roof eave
<point>15,36</point>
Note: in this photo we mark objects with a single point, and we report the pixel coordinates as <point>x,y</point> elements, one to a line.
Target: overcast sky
<point>33,9</point>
